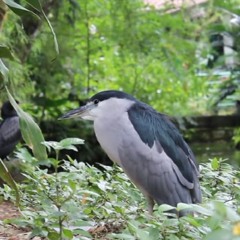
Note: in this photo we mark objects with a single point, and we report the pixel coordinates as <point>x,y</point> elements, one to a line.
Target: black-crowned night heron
<point>10,133</point>
<point>147,146</point>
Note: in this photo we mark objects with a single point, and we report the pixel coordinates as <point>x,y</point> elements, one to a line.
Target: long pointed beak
<point>75,113</point>
<point>80,112</point>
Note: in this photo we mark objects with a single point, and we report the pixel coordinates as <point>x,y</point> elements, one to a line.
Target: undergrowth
<point>84,202</point>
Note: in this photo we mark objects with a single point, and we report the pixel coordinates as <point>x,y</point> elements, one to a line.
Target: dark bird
<point>10,133</point>
<point>146,144</point>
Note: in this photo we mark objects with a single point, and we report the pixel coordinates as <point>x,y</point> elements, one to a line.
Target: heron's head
<point>103,104</point>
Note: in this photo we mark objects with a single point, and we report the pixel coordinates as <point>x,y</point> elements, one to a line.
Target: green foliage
<point>75,202</point>
<point>7,178</point>
<point>19,10</point>
<point>116,45</point>
<point>236,137</point>
<point>221,182</point>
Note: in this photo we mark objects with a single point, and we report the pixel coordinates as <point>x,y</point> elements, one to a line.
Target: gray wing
<point>155,173</point>
<point>10,135</point>
<point>173,158</point>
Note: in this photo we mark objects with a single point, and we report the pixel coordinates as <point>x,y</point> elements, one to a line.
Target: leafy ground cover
<point>84,202</point>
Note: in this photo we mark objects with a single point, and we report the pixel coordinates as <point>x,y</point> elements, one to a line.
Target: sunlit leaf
<point>102,185</point>
<point>183,206</point>
<point>68,233</point>
<point>31,132</point>
<point>165,207</point>
<point>6,177</point>
<point>71,141</point>
<point>215,164</point>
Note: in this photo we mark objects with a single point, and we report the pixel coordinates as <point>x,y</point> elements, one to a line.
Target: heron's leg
<point>150,203</point>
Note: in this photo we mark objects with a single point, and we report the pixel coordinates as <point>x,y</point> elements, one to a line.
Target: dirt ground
<point>12,232</point>
<point>9,231</point>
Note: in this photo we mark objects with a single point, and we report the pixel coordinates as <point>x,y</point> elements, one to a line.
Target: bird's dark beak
<point>80,112</point>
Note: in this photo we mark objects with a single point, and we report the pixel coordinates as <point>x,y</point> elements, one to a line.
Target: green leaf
<point>68,233</point>
<point>24,155</point>
<point>6,177</point>
<point>72,184</point>
<point>119,209</point>
<point>3,72</point>
<point>123,236</point>
<point>221,234</point>
<point>51,144</point>
<point>67,143</point>
<point>5,52</point>
<point>19,9</point>
<point>102,185</point>
<point>154,233</point>
<point>165,207</point>
<point>53,235</point>
<point>141,234</point>
<point>203,210</point>
<point>71,141</point>
<point>215,164</point>
<point>183,206</point>
<point>31,132</point>
<point>35,4</point>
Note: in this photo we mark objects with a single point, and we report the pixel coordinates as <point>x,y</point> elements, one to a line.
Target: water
<point>220,149</point>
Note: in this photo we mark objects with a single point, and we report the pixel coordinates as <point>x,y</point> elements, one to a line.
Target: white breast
<point>107,134</point>
<point>112,127</point>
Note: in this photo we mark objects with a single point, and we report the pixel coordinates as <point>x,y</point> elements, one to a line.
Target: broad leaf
<point>19,9</point>
<point>31,132</point>
<point>165,207</point>
<point>183,206</point>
